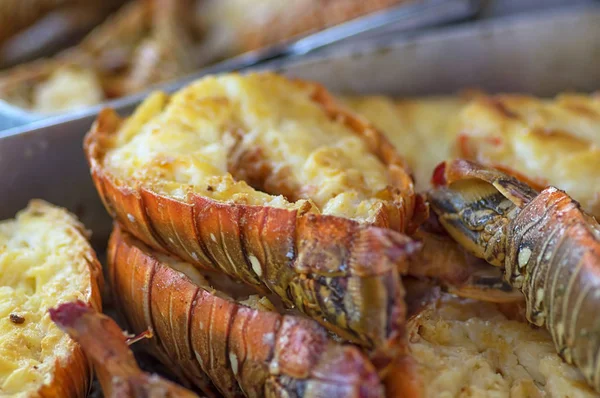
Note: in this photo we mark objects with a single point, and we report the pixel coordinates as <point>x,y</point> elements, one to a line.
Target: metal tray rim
<point>424,13</point>
<point>462,30</point>
<point>498,24</point>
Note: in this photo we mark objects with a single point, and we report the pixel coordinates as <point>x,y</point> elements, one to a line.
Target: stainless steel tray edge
<point>401,18</point>
<point>539,53</point>
<point>47,161</point>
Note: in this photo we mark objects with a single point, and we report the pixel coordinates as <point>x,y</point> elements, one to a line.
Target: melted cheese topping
<point>192,141</point>
<point>422,130</point>
<point>466,348</point>
<point>41,265</point>
<point>549,142</point>
<point>67,88</point>
<point>552,142</point>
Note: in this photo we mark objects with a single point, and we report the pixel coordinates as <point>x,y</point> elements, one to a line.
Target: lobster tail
<point>323,252</point>
<point>554,257</point>
<point>549,249</point>
<point>242,350</point>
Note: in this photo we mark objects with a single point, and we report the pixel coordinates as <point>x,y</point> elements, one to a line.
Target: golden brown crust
<point>540,141</point>
<point>537,140</point>
<point>243,350</point>
<point>296,254</point>
<point>72,373</point>
<point>422,130</point>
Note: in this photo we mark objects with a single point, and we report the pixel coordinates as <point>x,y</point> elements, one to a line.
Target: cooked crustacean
<point>423,131</point>
<point>544,141</point>
<point>548,247</point>
<point>270,182</point>
<point>443,260</point>
<point>107,347</point>
<point>18,14</point>
<point>143,43</point>
<point>45,260</point>
<point>467,348</point>
<point>146,42</point>
<point>51,85</point>
<point>244,350</point>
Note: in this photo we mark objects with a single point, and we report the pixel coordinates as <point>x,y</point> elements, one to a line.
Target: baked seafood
<point>235,26</point>
<point>466,348</point>
<point>47,30</point>
<point>45,260</point>
<point>16,15</point>
<point>245,350</point>
<point>545,244</point>
<point>423,130</point>
<point>541,141</point>
<point>269,181</point>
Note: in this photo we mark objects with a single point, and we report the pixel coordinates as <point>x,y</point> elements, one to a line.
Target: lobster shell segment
<point>244,351</point>
<point>548,247</point>
<point>554,257</point>
<point>342,271</point>
<point>105,344</point>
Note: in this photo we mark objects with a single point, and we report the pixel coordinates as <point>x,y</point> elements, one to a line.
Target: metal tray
<point>540,54</point>
<point>401,18</point>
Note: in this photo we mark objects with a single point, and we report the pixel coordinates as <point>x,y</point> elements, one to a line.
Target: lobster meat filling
<point>45,260</point>
<point>258,140</point>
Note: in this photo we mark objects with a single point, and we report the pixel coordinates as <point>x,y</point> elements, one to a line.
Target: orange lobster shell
<point>243,350</point>
<point>72,378</point>
<point>106,345</point>
<point>300,256</point>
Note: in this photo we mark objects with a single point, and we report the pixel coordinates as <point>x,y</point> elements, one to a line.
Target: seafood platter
<point>404,216</point>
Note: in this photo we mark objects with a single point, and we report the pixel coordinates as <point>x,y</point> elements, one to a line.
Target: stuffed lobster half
<point>269,181</point>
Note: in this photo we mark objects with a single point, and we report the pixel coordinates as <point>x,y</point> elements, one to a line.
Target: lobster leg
<point>106,345</point>
<point>548,248</point>
<point>459,272</point>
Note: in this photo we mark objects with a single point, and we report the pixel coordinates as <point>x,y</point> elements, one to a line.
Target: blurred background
<point>61,55</point>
